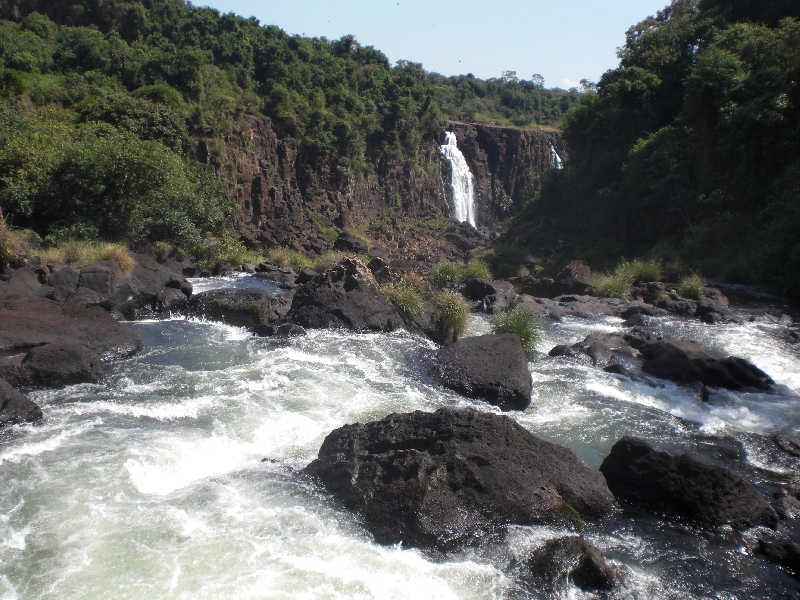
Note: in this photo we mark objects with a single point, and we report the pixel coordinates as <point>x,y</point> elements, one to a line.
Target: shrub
<point>521,321</point>
<point>287,256</point>
<point>640,270</point>
<point>224,249</point>
<point>613,285</point>
<point>162,250</point>
<point>329,260</point>
<point>691,286</point>
<point>406,297</point>
<point>475,268</point>
<point>120,254</point>
<point>451,314</point>
<point>10,244</point>
<point>444,274</point>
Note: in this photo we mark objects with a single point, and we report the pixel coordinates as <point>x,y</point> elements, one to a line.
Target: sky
<point>563,40</point>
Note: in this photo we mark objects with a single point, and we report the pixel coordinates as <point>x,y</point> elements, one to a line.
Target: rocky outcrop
<point>16,408</point>
<point>52,365</point>
<point>27,321</point>
<point>490,367</point>
<point>347,296</point>
<point>786,554</point>
<point>442,479</point>
<point>684,486</point>
<point>249,307</point>
<point>568,560</point>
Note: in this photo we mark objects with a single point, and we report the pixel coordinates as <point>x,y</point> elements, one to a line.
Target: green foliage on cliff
<point>690,149</point>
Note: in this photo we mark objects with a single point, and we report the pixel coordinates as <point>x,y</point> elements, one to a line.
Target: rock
<point>685,361</point>
<point>491,367</point>
<point>346,296</point>
<point>25,280</point>
<point>576,277</point>
<point>307,275</point>
<point>788,443</point>
<point>787,507</point>
<point>56,365</point>
<point>380,269</point>
<point>350,243</point>
<point>684,486</point>
<point>285,276</point>
<point>442,479</point>
<point>618,369</point>
<point>284,330</point>
<point>566,560</point>
<point>565,351</point>
<point>221,268</point>
<point>27,321</point>
<point>786,554</point>
<point>249,307</point>
<point>16,408</point>
<point>478,289</point>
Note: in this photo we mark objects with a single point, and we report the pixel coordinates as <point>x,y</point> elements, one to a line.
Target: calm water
<point>152,485</point>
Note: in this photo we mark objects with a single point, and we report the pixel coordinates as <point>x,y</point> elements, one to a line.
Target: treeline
<point>689,150</point>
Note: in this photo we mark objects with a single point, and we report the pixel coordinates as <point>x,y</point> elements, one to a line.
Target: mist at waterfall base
<point>152,484</point>
<point>462,182</point>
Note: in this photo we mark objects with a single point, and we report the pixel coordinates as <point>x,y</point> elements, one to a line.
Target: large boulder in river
<point>442,479</point>
<point>53,365</point>
<point>249,307</point>
<point>568,560</point>
<point>684,486</point>
<point>490,367</point>
<point>27,321</point>
<point>16,408</point>
<point>685,361</point>
<point>347,296</point>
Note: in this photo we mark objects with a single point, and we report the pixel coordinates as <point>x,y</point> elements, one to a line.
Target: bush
<point>521,321</point>
<point>10,244</point>
<point>444,274</point>
<point>691,287</point>
<point>406,297</point>
<point>640,270</point>
<point>475,268</point>
<point>613,285</point>
<point>224,249</point>
<point>120,254</point>
<point>451,314</point>
<point>329,260</point>
<point>287,256</point>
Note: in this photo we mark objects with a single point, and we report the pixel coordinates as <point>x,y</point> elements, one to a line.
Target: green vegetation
<point>211,251</point>
<point>84,253</point>
<point>692,287</point>
<point>475,268</point>
<point>688,151</point>
<point>287,256</point>
<point>451,314</point>
<point>406,296</point>
<point>10,244</point>
<point>640,270</point>
<point>612,285</point>
<point>447,273</point>
<point>521,321</point>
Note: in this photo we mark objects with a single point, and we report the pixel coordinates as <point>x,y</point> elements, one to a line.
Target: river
<point>178,477</point>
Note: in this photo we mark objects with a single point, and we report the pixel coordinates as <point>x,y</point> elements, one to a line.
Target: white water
<point>462,182</point>
<point>152,484</point>
<point>555,159</point>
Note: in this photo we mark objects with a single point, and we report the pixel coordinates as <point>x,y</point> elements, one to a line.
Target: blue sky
<point>564,40</point>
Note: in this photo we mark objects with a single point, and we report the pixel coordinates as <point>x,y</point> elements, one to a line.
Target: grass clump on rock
<point>10,244</point>
<point>640,270</point>
<point>451,314</point>
<point>475,268</point>
<point>406,297</point>
<point>613,285</point>
<point>521,321</point>
<point>287,256</point>
<point>691,286</point>
<point>85,253</point>
<point>444,274</point>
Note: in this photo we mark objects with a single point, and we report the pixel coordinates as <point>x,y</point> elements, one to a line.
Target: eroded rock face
<point>347,296</point>
<point>16,408</point>
<point>27,321</point>
<point>567,560</point>
<point>491,367</point>
<point>683,485</point>
<point>442,479</point>
<point>249,307</point>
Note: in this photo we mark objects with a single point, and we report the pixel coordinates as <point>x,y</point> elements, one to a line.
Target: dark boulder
<point>27,321</point>
<point>788,443</point>
<point>248,307</point>
<point>284,275</point>
<point>347,296</point>
<point>786,554</point>
<point>442,479</point>
<point>350,243</point>
<point>618,369</point>
<point>685,361</point>
<point>53,365</point>
<point>569,560</point>
<point>491,367</point>
<point>576,278</point>
<point>306,275</point>
<point>380,269</point>
<point>16,408</point>
<point>683,485</point>
<point>478,289</point>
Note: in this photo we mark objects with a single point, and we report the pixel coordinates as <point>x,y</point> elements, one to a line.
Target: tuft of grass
<point>475,268</point>
<point>444,274</point>
<point>162,250</point>
<point>406,297</point>
<point>521,321</point>
<point>287,256</point>
<point>329,260</point>
<point>10,244</point>
<point>640,270</point>
<point>451,314</point>
<point>120,254</point>
<point>613,285</point>
<point>81,252</point>
<point>691,286</point>
<point>52,255</point>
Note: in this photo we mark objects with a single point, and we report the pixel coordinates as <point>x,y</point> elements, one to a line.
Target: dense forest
<point>102,103</point>
<point>688,151</point>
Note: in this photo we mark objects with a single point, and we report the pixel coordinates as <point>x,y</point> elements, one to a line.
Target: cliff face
<point>292,198</point>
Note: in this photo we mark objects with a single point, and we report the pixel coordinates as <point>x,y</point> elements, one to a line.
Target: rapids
<point>178,477</point>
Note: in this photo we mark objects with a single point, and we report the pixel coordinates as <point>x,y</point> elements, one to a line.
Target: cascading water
<point>555,159</point>
<point>153,484</point>
<point>462,182</point>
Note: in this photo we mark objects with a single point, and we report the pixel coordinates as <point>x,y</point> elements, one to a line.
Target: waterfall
<point>555,159</point>
<point>462,182</point>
